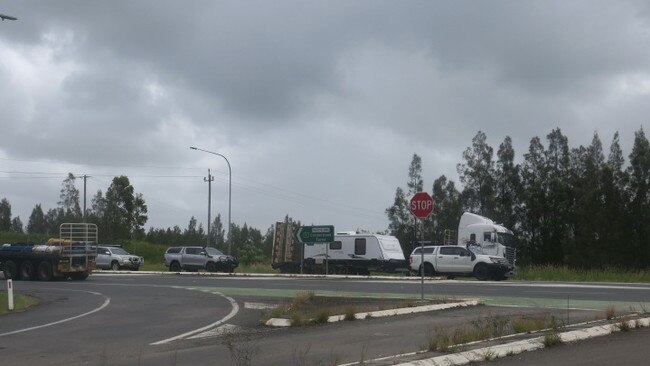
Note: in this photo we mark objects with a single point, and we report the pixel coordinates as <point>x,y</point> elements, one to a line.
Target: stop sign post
<point>421,207</point>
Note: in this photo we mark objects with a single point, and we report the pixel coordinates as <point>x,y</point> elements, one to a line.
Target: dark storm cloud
<point>128,83</point>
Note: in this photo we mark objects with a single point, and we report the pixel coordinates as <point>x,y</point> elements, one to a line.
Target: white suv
<point>116,258</point>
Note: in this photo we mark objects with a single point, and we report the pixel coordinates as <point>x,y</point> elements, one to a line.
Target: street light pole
<point>229,193</point>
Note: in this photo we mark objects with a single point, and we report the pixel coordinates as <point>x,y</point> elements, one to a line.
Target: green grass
<point>564,273</point>
<point>445,340</point>
<point>552,339</point>
<point>21,302</point>
<point>527,324</point>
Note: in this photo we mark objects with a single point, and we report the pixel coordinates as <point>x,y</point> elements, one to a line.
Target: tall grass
<point>565,273</point>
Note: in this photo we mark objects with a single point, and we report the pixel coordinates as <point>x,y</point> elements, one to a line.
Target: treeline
<point>121,214</point>
<point>567,206</point>
<point>247,243</point>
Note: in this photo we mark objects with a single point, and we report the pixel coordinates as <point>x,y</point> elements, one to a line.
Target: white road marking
<point>258,306</point>
<point>107,300</point>
<point>233,312</point>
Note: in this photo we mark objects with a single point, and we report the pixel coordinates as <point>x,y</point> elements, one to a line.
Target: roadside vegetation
<point>21,302</point>
<point>446,340</point>
<point>308,308</point>
<point>565,273</point>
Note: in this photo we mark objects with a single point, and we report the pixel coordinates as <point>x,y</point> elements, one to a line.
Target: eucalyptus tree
<point>401,222</point>
<point>69,199</point>
<point>54,217</point>
<point>586,247</point>
<point>17,225</point>
<point>5,215</point>
<point>37,223</point>
<point>218,233</point>
<point>138,216</point>
<point>507,186</point>
<point>617,219</point>
<point>533,209</point>
<point>124,213</point>
<point>558,213</point>
<point>476,174</point>
<point>638,190</point>
<point>399,218</point>
<point>447,210</point>
<point>193,234</point>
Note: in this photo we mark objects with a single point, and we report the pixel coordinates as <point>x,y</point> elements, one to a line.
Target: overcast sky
<point>318,105</point>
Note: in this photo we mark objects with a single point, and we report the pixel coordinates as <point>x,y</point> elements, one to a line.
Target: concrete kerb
<point>285,275</point>
<point>282,322</point>
<point>517,347</point>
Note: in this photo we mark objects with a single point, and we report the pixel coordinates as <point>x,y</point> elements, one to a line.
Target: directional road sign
<point>315,234</point>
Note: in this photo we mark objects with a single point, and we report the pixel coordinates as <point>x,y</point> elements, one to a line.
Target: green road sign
<point>315,234</point>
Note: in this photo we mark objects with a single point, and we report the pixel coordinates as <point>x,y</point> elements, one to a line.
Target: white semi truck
<point>492,246</point>
<point>483,236</point>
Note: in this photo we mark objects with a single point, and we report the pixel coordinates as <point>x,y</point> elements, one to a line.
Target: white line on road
<point>107,300</point>
<point>233,312</point>
<point>259,306</point>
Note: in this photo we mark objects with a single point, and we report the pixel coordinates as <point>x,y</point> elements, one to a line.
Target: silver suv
<point>116,258</point>
<point>194,258</point>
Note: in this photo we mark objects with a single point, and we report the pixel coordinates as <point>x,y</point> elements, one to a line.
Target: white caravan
<point>356,253</point>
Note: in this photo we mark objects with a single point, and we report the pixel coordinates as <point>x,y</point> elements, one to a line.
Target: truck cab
<point>483,236</point>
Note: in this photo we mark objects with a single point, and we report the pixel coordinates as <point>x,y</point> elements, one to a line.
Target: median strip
<point>282,322</point>
<point>517,347</point>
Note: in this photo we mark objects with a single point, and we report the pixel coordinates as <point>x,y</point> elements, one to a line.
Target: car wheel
<point>115,266</point>
<point>175,267</point>
<point>481,272</point>
<point>44,271</point>
<point>211,267</point>
<point>428,269</point>
<point>27,270</point>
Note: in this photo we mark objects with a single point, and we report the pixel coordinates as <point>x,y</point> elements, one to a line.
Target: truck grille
<point>511,255</point>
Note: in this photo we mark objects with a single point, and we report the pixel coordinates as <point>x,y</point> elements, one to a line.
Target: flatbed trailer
<point>72,255</point>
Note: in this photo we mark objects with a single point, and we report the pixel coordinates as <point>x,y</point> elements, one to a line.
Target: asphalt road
<point>623,348</point>
<point>171,320</point>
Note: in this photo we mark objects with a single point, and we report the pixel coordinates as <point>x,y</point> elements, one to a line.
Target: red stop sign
<point>421,205</point>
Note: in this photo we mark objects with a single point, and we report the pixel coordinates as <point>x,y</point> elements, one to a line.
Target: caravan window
<point>337,245</point>
<point>360,246</point>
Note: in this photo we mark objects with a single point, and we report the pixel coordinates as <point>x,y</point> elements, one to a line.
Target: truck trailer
<point>71,255</point>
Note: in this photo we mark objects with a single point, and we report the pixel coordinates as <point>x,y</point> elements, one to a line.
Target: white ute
<point>453,260</point>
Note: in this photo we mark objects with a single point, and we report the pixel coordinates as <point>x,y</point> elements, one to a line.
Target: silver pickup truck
<point>116,258</point>
<point>195,258</point>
